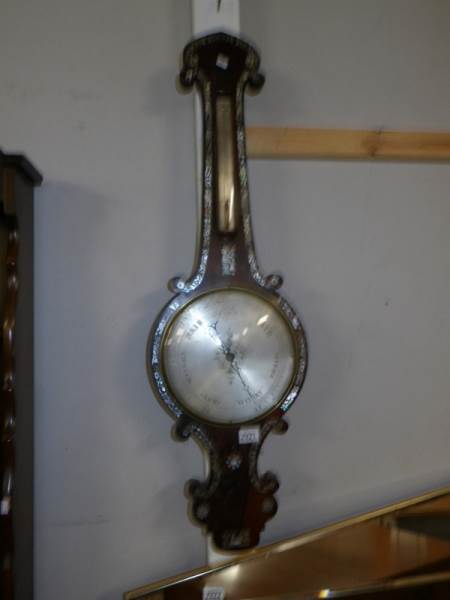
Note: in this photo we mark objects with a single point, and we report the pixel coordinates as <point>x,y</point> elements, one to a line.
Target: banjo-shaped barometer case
<point>227,355</point>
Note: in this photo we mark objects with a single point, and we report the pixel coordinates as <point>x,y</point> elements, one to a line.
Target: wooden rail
<point>296,143</point>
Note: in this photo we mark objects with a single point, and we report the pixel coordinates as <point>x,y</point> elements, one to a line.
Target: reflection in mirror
<point>401,552</point>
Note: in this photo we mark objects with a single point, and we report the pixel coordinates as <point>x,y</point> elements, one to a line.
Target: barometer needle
<point>245,385</point>
<point>230,357</point>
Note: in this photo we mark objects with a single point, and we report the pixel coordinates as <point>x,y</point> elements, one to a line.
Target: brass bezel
<point>272,300</point>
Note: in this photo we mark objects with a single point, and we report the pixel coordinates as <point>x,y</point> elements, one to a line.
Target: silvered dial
<point>229,356</point>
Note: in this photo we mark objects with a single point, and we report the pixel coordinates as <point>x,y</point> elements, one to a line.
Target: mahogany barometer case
<point>227,355</point>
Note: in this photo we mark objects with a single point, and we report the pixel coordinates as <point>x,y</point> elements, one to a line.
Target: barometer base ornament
<point>233,487</point>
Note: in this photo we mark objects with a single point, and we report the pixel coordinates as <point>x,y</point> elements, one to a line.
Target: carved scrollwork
<point>7,407</point>
<point>233,486</point>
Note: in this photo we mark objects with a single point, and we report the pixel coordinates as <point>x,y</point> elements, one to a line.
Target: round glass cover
<point>229,356</point>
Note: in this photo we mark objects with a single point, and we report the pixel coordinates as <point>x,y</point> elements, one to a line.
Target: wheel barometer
<point>227,355</point>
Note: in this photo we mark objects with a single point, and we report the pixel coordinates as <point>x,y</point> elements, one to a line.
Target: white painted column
<point>214,15</point>
<point>209,16</point>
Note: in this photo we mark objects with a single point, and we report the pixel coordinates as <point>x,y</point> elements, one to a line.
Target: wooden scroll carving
<point>18,177</point>
<point>9,285</point>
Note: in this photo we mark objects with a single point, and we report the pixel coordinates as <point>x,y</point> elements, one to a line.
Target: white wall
<point>364,248</point>
<point>87,91</point>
